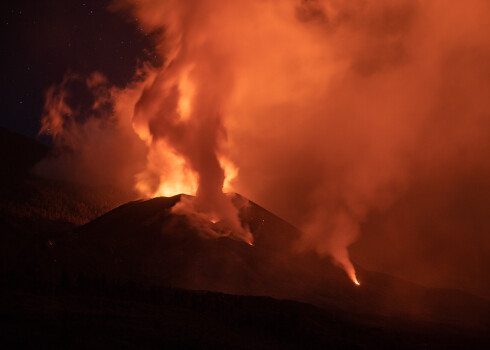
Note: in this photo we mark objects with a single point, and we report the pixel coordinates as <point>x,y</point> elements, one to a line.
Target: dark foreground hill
<point>143,241</point>
<point>142,277</point>
<point>96,313</point>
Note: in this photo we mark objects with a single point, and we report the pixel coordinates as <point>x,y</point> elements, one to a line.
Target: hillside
<point>140,276</point>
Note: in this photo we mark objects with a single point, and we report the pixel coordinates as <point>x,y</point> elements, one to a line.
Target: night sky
<point>42,40</point>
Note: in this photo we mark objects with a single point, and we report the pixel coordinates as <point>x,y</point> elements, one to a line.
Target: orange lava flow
<point>353,277</point>
<point>351,272</point>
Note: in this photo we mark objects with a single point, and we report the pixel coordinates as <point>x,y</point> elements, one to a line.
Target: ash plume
<point>323,111</point>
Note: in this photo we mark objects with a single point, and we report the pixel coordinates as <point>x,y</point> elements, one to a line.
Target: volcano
<point>144,276</point>
<point>143,241</point>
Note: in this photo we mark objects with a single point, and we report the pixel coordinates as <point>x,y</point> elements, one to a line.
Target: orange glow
<point>231,172</point>
<point>186,89</point>
<point>173,175</point>
<point>354,279</point>
<point>351,272</point>
<point>323,111</point>
<point>166,174</point>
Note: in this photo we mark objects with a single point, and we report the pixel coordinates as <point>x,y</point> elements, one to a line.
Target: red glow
<point>322,111</point>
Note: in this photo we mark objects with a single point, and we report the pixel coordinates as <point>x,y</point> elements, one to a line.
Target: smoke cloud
<point>323,111</point>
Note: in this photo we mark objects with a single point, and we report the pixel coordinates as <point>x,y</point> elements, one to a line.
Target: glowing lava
<point>351,271</point>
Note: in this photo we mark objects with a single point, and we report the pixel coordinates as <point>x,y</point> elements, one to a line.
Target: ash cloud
<point>334,112</point>
<point>92,146</point>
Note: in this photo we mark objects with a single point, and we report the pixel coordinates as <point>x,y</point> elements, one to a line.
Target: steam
<point>90,124</point>
<point>322,111</point>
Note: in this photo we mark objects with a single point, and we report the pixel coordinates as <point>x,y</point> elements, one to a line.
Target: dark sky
<point>42,40</point>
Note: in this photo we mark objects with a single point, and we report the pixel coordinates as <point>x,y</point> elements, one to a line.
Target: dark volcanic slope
<point>33,203</point>
<point>106,284</point>
<point>142,241</point>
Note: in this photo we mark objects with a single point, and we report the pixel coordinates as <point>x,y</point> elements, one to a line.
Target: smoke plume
<point>322,111</point>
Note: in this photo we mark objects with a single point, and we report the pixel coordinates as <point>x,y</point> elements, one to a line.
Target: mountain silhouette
<point>144,241</point>
<point>76,275</point>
